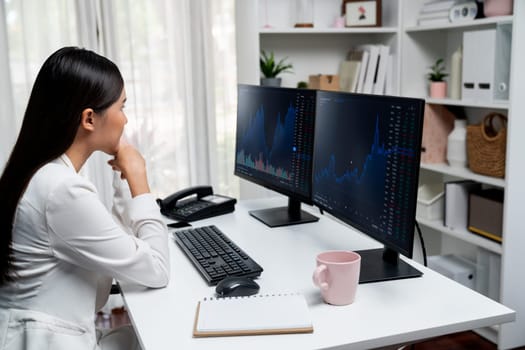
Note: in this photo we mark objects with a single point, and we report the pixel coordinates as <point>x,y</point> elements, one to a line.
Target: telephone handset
<point>195,203</point>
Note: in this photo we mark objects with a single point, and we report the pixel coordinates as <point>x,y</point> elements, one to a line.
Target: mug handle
<point>318,281</point>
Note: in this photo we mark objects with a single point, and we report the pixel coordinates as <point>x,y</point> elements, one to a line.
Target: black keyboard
<point>215,255</point>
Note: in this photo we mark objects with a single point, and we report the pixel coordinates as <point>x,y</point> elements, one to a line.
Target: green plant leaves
<point>270,68</point>
<point>437,71</point>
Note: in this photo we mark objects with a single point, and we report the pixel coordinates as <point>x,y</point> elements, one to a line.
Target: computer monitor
<point>365,173</point>
<point>274,145</point>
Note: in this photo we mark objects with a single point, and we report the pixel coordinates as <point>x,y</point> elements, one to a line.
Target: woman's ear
<point>87,119</point>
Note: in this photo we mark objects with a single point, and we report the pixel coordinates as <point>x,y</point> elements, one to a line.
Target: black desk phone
<point>195,203</point>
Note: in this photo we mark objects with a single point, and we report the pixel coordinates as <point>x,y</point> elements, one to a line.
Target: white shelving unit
<point>468,24</point>
<point>463,173</point>
<point>464,235</point>
<point>275,32</point>
<point>391,30</point>
<point>320,50</point>
<point>451,102</point>
<point>424,44</point>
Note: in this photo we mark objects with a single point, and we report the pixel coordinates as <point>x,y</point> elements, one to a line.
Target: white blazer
<point>67,249</point>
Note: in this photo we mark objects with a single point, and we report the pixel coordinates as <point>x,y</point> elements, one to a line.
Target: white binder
<point>502,61</point>
<point>478,65</point>
<point>382,66</point>
<point>370,77</point>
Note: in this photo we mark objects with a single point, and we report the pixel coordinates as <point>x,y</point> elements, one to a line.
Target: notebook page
<point>286,311</point>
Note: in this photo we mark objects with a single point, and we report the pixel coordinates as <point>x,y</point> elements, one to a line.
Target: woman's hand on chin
<point>132,167</point>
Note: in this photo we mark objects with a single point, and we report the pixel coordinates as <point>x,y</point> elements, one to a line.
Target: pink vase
<point>438,89</point>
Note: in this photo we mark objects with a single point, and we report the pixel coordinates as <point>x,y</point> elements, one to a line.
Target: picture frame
<point>359,13</point>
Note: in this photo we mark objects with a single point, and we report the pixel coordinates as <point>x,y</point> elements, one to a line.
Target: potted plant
<point>270,69</point>
<point>438,87</point>
<point>302,85</point>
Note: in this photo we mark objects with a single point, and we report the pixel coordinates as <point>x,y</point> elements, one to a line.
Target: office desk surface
<point>383,313</point>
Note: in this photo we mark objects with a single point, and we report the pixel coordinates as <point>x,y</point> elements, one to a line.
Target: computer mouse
<point>235,286</point>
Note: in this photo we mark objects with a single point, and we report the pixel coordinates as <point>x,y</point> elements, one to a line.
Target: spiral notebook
<point>253,315</point>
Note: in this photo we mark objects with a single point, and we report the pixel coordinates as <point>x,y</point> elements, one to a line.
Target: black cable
<point>422,244</point>
<point>115,289</point>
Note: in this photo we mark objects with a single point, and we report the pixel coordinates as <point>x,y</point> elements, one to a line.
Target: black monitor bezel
<point>421,105</point>
<point>291,194</point>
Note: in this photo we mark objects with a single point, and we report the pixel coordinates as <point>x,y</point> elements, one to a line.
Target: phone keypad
<point>191,208</point>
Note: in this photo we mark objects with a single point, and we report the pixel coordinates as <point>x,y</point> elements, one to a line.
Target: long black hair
<point>70,80</point>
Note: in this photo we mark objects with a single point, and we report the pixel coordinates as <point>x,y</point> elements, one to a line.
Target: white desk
<point>383,313</point>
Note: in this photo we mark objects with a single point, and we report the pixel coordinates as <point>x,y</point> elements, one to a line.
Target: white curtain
<point>29,31</point>
<point>7,120</point>
<point>178,61</point>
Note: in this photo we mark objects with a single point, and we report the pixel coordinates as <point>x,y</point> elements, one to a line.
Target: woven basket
<point>486,146</point>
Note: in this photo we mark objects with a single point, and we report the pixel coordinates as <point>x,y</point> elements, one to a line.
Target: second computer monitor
<point>365,172</point>
<point>274,144</point>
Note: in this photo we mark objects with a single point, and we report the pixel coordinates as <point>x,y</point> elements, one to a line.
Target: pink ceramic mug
<point>337,274</point>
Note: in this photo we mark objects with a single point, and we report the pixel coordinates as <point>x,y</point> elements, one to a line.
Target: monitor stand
<point>283,216</point>
<point>384,265</point>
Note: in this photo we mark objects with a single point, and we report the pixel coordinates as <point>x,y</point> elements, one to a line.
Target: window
<point>178,61</point>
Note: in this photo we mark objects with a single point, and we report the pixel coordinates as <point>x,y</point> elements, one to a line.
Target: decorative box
<point>324,82</point>
<point>486,213</point>
<point>430,201</point>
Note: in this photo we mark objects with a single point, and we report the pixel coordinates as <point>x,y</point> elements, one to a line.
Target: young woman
<point>59,246</point>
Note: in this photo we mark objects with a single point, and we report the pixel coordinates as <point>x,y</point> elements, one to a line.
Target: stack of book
<point>367,69</point>
<point>435,12</point>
